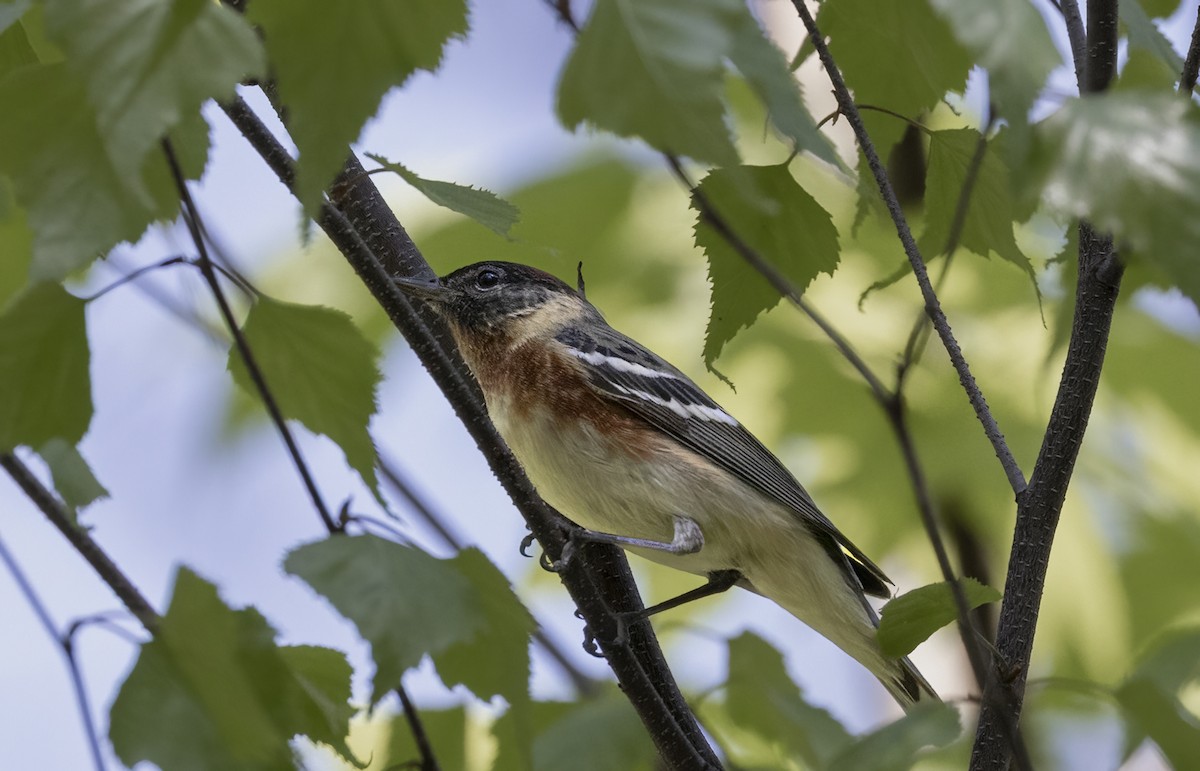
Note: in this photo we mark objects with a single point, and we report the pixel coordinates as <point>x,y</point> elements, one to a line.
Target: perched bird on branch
<point>636,454</point>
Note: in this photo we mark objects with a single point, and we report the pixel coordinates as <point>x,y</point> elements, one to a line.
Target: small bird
<point>630,449</point>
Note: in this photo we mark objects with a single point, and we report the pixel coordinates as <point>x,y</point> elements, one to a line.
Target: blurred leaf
<point>483,206</point>
<point>1165,720</point>
<point>16,248</point>
<point>895,747</point>
<point>321,371</point>
<point>761,697</point>
<point>909,620</point>
<point>1144,71</point>
<point>15,49</point>
<point>407,604</point>
<point>602,734</point>
<point>1130,163</point>
<point>333,64</point>
<point>218,672</point>
<point>1160,8</point>
<point>1144,34</point>
<point>46,390</point>
<point>765,68</point>
<point>792,233</point>
<point>1009,39</point>
<point>896,54</point>
<point>1172,661</point>
<point>1160,570</point>
<point>11,12</point>
<point>988,226</point>
<point>446,730</point>
<point>148,64</point>
<point>653,69</point>
<point>73,478</point>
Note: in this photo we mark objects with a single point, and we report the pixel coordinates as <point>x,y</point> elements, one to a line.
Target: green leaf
<point>73,478</point>
<point>148,64</point>
<point>596,735</point>
<point>321,371</point>
<point>46,390</point>
<point>1130,163</point>
<point>1009,39</point>
<point>1159,567</point>
<point>218,672</point>
<point>896,746</point>
<point>1144,34</point>
<point>446,730</point>
<point>16,247</point>
<point>761,698</point>
<point>483,206</point>
<point>909,620</point>
<point>988,226</point>
<point>1165,720</point>
<point>334,63</point>
<point>766,69</point>
<point>11,12</point>
<point>654,69</point>
<point>407,604</point>
<point>896,54</point>
<point>781,222</point>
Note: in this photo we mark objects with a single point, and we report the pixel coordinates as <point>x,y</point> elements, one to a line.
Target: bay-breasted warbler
<point>634,452</point>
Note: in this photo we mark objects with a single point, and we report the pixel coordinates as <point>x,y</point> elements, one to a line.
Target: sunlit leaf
<point>218,672</point>
<point>896,746</point>
<point>783,224</point>
<point>1010,40</point>
<point>483,206</point>
<point>653,69</point>
<point>147,64</point>
<point>761,697</point>
<point>407,604</point>
<point>333,64</point>
<point>1130,163</point>
<point>321,371</point>
<point>73,479</point>
<point>909,620</point>
<point>46,389</point>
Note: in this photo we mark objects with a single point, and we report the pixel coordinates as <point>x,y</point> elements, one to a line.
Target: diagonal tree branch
<point>1038,510</point>
<point>364,229</point>
<point>1191,65</point>
<point>1012,470</point>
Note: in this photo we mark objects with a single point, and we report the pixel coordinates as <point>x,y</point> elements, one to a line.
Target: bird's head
<point>500,297</point>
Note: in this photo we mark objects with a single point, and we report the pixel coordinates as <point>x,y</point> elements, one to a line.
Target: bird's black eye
<point>487,279</point>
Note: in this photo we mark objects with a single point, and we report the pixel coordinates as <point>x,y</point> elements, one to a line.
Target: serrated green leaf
<point>781,222</point>
<point>73,478</point>
<point>601,734</point>
<point>896,54</point>
<point>218,672</point>
<point>1010,40</point>
<point>909,620</point>
<point>1129,162</point>
<point>483,206</point>
<point>761,698</point>
<point>653,69</point>
<point>988,226</point>
<point>1144,34</point>
<point>46,390</point>
<point>765,68</point>
<point>321,371</point>
<point>334,63</point>
<point>895,747</point>
<point>407,604</point>
<point>148,64</point>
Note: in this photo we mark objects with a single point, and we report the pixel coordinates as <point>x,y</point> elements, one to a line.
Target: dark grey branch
<point>1191,65</point>
<point>1076,36</point>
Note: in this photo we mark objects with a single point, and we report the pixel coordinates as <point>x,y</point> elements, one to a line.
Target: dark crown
<point>486,293</point>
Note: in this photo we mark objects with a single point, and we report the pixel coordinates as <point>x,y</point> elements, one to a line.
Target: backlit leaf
<point>483,206</point>
<point>73,478</point>
<point>909,620</point>
<point>896,746</point>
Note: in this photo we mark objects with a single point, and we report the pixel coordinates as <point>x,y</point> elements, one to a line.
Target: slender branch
<point>61,518</point>
<point>424,509</point>
<point>1076,37</point>
<point>598,579</point>
<point>65,645</point>
<point>134,275</point>
<point>1191,65</point>
<point>239,339</point>
<point>428,759</point>
<point>1012,470</point>
<point>1038,510</point>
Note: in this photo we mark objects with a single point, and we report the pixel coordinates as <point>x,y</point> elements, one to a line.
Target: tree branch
<point>1191,65</point>
<point>1038,510</point>
<point>599,579</point>
<point>1076,37</point>
<point>933,307</point>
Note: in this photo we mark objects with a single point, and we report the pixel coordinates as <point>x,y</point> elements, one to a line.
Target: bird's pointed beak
<point>429,289</point>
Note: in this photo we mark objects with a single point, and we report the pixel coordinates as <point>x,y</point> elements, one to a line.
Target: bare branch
<point>428,759</point>
<point>1191,65</point>
<point>1076,37</point>
<point>1012,470</point>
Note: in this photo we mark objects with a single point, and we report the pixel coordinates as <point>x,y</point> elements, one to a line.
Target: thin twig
<point>428,758</point>
<point>207,269</point>
<point>1191,65</point>
<point>134,275</point>
<point>1012,470</point>
<point>65,645</point>
<point>58,515</point>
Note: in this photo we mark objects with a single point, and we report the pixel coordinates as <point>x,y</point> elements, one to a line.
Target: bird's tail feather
<point>907,685</point>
